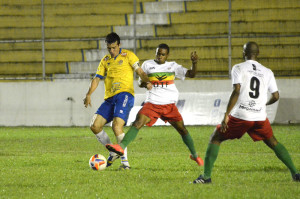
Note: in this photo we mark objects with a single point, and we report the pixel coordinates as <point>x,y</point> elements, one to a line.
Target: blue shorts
<point>116,106</point>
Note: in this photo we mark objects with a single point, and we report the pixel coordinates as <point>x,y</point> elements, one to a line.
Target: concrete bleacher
<point>271,54</point>
<point>204,19</point>
<point>184,25</point>
<point>209,19</point>
<point>63,19</point>
<point>26,58</point>
<point>214,56</point>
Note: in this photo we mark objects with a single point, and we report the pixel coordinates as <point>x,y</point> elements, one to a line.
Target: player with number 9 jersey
<point>246,112</point>
<point>255,80</point>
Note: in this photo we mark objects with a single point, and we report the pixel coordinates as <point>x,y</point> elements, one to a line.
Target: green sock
<point>129,136</point>
<point>188,140</point>
<point>210,158</point>
<point>285,157</point>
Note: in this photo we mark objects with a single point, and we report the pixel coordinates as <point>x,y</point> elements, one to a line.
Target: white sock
<point>103,138</point>
<point>124,159</point>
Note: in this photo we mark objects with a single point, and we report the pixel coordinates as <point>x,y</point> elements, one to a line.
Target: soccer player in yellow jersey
<point>116,69</point>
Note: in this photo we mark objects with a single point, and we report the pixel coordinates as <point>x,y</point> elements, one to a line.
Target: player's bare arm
<point>192,72</point>
<point>93,85</point>
<point>145,79</point>
<point>232,101</point>
<point>274,98</point>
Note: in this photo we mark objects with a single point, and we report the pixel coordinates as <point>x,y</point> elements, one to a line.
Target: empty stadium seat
<point>184,25</point>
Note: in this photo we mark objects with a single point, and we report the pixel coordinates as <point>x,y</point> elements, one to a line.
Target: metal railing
<point>229,36</point>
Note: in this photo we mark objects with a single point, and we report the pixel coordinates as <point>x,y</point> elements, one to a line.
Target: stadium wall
<point>60,102</point>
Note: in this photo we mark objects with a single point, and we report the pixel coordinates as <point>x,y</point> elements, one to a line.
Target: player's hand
<point>149,85</point>
<point>224,125</point>
<point>194,57</point>
<point>87,101</point>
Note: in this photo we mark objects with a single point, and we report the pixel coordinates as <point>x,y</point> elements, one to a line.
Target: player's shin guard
<point>188,140</point>
<point>103,138</point>
<point>285,157</point>
<point>210,158</point>
<point>129,136</point>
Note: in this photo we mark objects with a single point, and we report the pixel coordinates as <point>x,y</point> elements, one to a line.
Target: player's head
<point>250,50</point>
<point>112,38</point>
<point>112,41</point>
<point>162,53</point>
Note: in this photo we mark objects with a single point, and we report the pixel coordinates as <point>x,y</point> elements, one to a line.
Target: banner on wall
<point>199,108</point>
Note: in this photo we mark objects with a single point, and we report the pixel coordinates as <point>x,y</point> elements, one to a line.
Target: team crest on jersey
<point>120,62</point>
<point>160,78</point>
<point>115,87</point>
<point>108,63</point>
<point>252,103</point>
<point>169,68</point>
<point>106,58</point>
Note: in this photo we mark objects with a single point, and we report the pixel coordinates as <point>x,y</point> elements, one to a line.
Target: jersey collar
<point>250,60</point>
<point>118,54</point>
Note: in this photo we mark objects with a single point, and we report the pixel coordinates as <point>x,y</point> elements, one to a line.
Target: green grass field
<point>53,163</point>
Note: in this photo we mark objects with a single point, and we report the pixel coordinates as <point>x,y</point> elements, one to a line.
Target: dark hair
<point>164,46</point>
<point>112,38</point>
<point>251,49</point>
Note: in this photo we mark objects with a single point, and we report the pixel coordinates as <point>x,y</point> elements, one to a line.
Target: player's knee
<point>140,121</point>
<point>117,128</point>
<point>271,142</point>
<point>95,128</point>
<point>216,138</point>
<point>138,124</point>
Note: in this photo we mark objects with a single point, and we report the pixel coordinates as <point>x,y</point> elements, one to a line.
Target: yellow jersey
<point>118,71</point>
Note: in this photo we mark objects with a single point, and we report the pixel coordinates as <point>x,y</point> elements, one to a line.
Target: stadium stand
<point>67,20</point>
<point>184,25</point>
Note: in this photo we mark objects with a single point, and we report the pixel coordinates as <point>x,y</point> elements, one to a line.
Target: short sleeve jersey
<point>256,81</point>
<point>162,77</point>
<point>119,73</point>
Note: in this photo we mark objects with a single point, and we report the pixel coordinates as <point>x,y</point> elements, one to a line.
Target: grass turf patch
<point>40,162</point>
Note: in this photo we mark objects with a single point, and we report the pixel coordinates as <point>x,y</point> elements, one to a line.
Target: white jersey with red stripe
<point>256,81</point>
<point>162,77</point>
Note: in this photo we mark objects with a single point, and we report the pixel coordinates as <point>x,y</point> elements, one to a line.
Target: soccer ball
<point>98,162</point>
